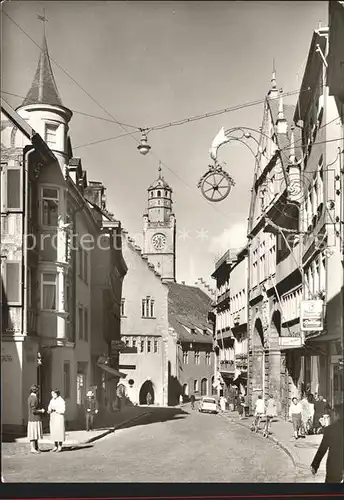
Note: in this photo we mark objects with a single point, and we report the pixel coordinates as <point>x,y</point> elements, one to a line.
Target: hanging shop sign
<point>312,315</point>
<point>290,342</point>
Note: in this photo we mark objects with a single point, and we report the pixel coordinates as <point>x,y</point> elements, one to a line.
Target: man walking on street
<point>333,442</point>
<point>91,408</point>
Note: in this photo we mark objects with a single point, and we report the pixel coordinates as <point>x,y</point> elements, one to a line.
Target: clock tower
<point>159,229</point>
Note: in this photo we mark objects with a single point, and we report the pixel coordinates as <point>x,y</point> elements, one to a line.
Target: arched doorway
<point>204,386</point>
<point>185,390</point>
<point>147,387</point>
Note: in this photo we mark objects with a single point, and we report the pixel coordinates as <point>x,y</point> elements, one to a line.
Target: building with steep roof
<point>47,230</point>
<point>270,207</point>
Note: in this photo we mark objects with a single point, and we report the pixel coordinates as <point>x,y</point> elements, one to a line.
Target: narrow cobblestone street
<point>190,447</point>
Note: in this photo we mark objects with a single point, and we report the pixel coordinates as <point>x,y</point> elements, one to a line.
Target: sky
<point>154,62</point>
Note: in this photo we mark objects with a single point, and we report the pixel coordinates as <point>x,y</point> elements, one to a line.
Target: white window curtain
<point>49,291</point>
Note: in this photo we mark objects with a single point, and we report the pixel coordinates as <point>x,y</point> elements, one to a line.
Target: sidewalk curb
<point>275,440</point>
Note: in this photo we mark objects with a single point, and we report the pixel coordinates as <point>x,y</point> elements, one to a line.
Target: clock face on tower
<point>159,241</point>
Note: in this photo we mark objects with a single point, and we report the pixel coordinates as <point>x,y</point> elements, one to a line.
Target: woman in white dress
<point>56,409</point>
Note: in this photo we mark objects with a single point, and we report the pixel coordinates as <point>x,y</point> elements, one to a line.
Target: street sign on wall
<point>312,315</point>
<point>290,342</point>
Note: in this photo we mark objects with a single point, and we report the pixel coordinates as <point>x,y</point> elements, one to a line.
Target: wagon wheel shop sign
<point>312,315</point>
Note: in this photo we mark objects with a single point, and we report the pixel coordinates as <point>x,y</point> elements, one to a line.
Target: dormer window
<point>50,134</point>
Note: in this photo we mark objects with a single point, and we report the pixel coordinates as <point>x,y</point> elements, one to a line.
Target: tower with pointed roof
<point>43,108</point>
<point>159,229</point>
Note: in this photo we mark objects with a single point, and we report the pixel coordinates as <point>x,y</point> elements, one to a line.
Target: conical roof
<point>43,89</point>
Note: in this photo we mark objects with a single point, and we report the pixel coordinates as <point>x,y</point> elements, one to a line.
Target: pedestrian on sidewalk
<point>34,425</point>
<point>231,398</point>
<point>258,413</point>
<point>91,409</point>
<point>241,407</point>
<point>223,404</point>
<point>319,410</point>
<point>333,442</point>
<point>295,413</point>
<point>270,412</point>
<point>246,405</point>
<point>305,415</point>
<point>192,400</point>
<point>181,400</point>
<point>56,409</point>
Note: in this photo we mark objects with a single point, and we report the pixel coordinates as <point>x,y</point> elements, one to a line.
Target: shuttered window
<point>13,188</point>
<point>12,282</point>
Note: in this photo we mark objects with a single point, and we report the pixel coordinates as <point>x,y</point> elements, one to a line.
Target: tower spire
<point>273,76</point>
<point>43,88</point>
<point>159,170</point>
<point>273,92</point>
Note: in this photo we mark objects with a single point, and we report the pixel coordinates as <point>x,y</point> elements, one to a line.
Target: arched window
<point>204,386</point>
<point>195,385</point>
<point>159,194</point>
<point>185,390</point>
<point>152,194</point>
<point>166,193</point>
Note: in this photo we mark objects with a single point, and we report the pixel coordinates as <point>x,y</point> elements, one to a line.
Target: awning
<point>113,371</point>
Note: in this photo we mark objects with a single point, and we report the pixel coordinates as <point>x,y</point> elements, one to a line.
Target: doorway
<point>147,387</point>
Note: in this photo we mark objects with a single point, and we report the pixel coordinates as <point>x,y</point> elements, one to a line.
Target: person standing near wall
<point>91,409</point>
<point>34,426</point>
<point>56,409</point>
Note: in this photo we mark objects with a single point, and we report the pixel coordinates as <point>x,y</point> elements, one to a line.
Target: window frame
<point>86,324</point>
<point>4,265</point>
<point>66,380</point>
<point>43,198</point>
<point>80,331</point>
<point>5,191</point>
<point>49,283</point>
<point>53,126</point>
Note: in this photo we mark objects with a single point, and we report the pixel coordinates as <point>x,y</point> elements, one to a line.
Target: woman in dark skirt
<point>34,426</point>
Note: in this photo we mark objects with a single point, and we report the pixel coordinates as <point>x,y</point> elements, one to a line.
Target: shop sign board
<point>312,316</point>
<point>290,342</point>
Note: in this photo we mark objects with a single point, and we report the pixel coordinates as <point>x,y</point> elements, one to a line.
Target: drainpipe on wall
<point>24,240</point>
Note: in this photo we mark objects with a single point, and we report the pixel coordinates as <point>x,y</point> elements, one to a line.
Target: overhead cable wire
<point>102,107</point>
<point>75,111</point>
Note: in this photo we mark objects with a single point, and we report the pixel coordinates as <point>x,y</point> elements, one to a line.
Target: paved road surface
<point>190,447</point>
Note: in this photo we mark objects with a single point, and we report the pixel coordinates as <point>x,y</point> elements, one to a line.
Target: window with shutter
<point>13,189</point>
<point>12,282</point>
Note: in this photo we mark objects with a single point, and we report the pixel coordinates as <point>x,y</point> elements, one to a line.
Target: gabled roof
<point>188,308</point>
<point>43,89</point>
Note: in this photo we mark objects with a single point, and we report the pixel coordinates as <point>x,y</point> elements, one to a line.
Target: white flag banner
<point>217,142</point>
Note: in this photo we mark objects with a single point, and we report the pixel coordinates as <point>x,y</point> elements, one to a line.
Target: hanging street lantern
<point>143,147</point>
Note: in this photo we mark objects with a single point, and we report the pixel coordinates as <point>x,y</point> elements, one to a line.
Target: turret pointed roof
<point>159,182</point>
<point>43,89</point>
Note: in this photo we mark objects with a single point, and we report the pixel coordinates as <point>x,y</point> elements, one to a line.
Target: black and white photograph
<point>172,242</point>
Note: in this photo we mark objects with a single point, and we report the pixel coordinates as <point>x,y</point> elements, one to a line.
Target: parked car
<point>208,405</point>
